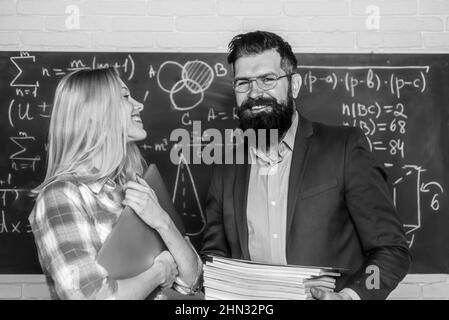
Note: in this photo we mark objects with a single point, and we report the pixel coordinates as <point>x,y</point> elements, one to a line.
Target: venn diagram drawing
<point>186,84</point>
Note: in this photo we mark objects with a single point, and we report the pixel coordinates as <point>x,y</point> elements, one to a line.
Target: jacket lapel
<point>305,130</point>
<point>241,181</point>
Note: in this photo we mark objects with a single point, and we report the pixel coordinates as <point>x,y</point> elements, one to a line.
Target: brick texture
<point>435,7</point>
<point>316,26</point>
<point>131,7</point>
<point>142,24</point>
<point>436,40</point>
<point>7,7</point>
<point>45,7</point>
<point>199,24</point>
<point>179,8</point>
<point>386,7</point>
<point>36,291</point>
<point>123,39</point>
<point>55,39</point>
<point>389,40</point>
<point>314,40</point>
<point>249,8</point>
<point>297,24</point>
<point>10,291</point>
<point>410,26</point>
<point>333,24</point>
<point>21,23</point>
<point>9,38</point>
<point>87,23</point>
<point>187,40</point>
<point>317,8</point>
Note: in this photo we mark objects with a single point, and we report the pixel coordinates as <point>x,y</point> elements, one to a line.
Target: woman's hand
<point>142,199</point>
<point>168,267</point>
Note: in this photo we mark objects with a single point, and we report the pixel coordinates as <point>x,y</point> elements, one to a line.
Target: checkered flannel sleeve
<point>67,244</point>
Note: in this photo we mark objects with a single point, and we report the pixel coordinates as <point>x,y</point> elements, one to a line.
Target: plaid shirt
<point>70,222</point>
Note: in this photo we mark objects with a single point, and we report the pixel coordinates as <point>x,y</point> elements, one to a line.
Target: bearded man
<point>320,199</point>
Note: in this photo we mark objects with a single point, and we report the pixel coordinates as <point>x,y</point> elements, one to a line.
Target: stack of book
<point>232,279</point>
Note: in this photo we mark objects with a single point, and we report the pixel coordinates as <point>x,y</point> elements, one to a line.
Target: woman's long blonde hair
<point>87,138</point>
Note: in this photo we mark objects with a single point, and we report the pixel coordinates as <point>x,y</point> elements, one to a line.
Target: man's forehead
<point>267,61</point>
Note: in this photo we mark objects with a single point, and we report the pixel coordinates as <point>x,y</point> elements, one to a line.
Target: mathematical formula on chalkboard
<point>399,101</point>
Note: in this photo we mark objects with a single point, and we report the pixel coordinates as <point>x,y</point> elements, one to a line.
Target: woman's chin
<point>137,136</point>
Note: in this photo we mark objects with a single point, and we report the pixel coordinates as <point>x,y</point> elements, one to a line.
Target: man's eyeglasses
<point>265,82</point>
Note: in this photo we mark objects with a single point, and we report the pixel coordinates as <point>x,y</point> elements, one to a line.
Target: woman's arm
<point>161,273</point>
<point>142,199</point>
<point>66,241</point>
<point>189,263</point>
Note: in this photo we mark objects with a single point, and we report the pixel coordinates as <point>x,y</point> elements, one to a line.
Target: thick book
<point>226,278</point>
<point>132,245</point>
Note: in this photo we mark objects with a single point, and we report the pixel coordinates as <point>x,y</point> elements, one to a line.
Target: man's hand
<point>320,294</point>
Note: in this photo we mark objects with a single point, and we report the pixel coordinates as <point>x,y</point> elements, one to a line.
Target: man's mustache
<point>250,103</point>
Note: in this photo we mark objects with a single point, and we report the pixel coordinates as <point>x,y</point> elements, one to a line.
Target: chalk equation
<point>409,189</point>
<point>193,218</point>
<point>383,125</point>
<point>195,77</point>
<point>373,99</point>
<point>126,67</point>
<point>181,89</point>
<point>376,78</point>
<point>12,223</point>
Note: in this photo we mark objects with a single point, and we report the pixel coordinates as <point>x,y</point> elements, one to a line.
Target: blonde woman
<point>93,164</point>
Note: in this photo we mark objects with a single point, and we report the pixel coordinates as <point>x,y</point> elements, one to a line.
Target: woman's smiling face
<point>136,132</point>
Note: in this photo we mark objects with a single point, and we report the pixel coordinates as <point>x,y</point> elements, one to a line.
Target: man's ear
<point>296,84</point>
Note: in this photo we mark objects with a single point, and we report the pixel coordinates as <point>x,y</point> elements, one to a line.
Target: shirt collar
<point>288,140</point>
<point>103,184</point>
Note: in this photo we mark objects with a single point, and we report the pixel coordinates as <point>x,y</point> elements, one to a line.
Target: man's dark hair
<point>257,42</point>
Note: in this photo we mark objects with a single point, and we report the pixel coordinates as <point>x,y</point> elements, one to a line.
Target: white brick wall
<point>115,8</point>
<point>208,25</point>
<point>44,7</point>
<point>211,24</point>
<point>7,7</point>
<point>387,7</point>
<point>249,8</point>
<point>192,25</point>
<point>413,287</point>
<point>181,8</point>
<point>23,287</point>
<point>317,8</point>
<point>436,7</point>
<point>389,40</point>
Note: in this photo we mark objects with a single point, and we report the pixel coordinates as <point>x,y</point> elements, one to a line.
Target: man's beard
<point>278,117</point>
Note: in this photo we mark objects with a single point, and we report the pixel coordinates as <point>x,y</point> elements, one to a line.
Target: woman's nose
<point>137,105</point>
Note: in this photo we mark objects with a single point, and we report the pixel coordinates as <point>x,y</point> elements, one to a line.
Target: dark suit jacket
<point>339,211</point>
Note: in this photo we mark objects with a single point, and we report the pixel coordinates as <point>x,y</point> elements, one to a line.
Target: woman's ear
<point>296,84</point>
